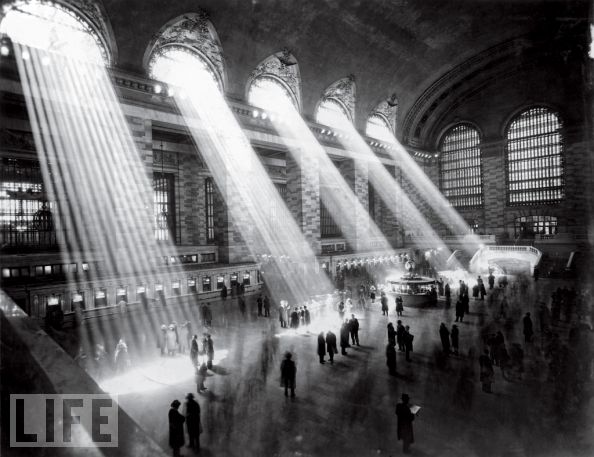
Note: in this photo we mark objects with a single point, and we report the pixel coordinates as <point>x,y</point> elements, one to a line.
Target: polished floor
<point>347,409</point>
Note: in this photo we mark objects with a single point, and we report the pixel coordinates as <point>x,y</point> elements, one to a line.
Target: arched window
<point>534,157</point>
<point>332,113</point>
<point>209,205</point>
<point>378,127</point>
<point>179,65</point>
<point>269,93</point>
<point>461,179</point>
<point>55,28</point>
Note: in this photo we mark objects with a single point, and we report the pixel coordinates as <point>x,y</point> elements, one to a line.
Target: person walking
<point>194,351</point>
<point>295,319</point>
<point>266,306</point>
<point>193,424</point>
<point>200,377</point>
<point>444,335</point>
<point>176,428</point>
<point>491,281</point>
<point>344,338</point>
<point>448,295</point>
<point>321,347</point>
<point>331,345</point>
<point>528,329</point>
<point>399,305</point>
<point>281,316</point>
<point>487,371</point>
<point>408,342</point>
<point>400,330</point>
<point>384,303</point>
<point>209,351</point>
<point>405,420</point>
<point>288,374</point>
<point>454,336</point>
<point>354,330</point>
<point>391,357</point>
<point>260,305</point>
<point>306,316</point>
<point>391,334</point>
<point>224,292</point>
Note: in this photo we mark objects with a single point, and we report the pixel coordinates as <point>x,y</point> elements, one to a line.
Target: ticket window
<point>175,288</point>
<point>121,294</point>
<point>192,286</point>
<point>220,282</point>
<point>78,301</point>
<point>233,280</point>
<point>53,304</point>
<point>206,285</point>
<point>160,294</point>
<point>246,279</point>
<point>100,297</point>
<point>141,294</point>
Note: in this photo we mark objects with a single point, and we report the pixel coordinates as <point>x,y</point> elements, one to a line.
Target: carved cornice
<point>389,110</point>
<point>344,91</point>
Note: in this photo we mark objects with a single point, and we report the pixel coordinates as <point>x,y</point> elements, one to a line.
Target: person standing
<point>209,351</point>
<point>400,330</point>
<point>200,377</point>
<point>408,342</point>
<point>405,420</point>
<point>344,338</point>
<point>176,428</point>
<point>491,281</point>
<point>321,347</point>
<point>448,295</point>
<point>224,292</point>
<point>260,304</point>
<point>444,335</point>
<point>266,306</point>
<point>354,330</point>
<point>331,345</point>
<point>487,371</point>
<point>288,374</point>
<point>399,305</point>
<point>306,316</point>
<point>455,337</point>
<point>193,424</point>
<point>295,319</point>
<point>528,329</point>
<point>459,311</point>
<point>391,357</point>
<point>384,303</point>
<point>281,316</point>
<point>391,334</point>
<point>194,351</point>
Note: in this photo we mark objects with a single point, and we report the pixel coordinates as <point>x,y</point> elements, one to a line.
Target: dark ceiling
<point>390,46</point>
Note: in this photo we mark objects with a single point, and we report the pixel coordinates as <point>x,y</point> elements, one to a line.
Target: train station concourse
<point>296,229</point>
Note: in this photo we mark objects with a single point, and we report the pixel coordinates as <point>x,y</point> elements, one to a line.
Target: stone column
<point>303,196</point>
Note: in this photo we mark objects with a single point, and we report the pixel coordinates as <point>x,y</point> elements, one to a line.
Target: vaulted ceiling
<point>401,46</point>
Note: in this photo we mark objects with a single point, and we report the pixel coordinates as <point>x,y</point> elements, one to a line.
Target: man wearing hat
<point>405,420</point>
<point>192,411</point>
<point>176,428</point>
<point>288,372</point>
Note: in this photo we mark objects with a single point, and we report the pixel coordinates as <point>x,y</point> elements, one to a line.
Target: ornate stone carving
<point>344,91</point>
<point>281,65</point>
<point>193,31</point>
<point>389,110</point>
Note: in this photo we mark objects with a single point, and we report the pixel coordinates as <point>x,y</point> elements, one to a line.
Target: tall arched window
<point>461,178</point>
<point>378,127</point>
<point>332,113</point>
<point>269,93</point>
<point>534,157</point>
<point>52,27</point>
<point>177,65</point>
<point>209,205</point>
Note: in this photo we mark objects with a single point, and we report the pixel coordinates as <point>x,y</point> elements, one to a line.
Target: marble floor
<point>347,409</point>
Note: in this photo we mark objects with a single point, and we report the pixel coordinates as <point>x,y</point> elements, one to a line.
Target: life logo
<point>69,420</point>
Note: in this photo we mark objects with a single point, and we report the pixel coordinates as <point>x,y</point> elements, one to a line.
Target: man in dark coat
<point>399,305</point>
<point>448,295</point>
<point>454,336</point>
<point>391,357</point>
<point>400,335</point>
<point>444,334</point>
<point>295,319</point>
<point>405,420</point>
<point>224,292</point>
<point>528,330</point>
<point>194,351</point>
<point>408,342</point>
<point>260,303</point>
<point>209,351</point>
<point>459,311</point>
<point>176,428</point>
<point>266,306</point>
<point>344,338</point>
<point>306,316</point>
<point>288,374</point>
<point>384,302</point>
<point>321,347</point>
<point>491,281</point>
<point>331,345</point>
<point>391,334</point>
<point>193,425</point>
<point>354,329</point>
